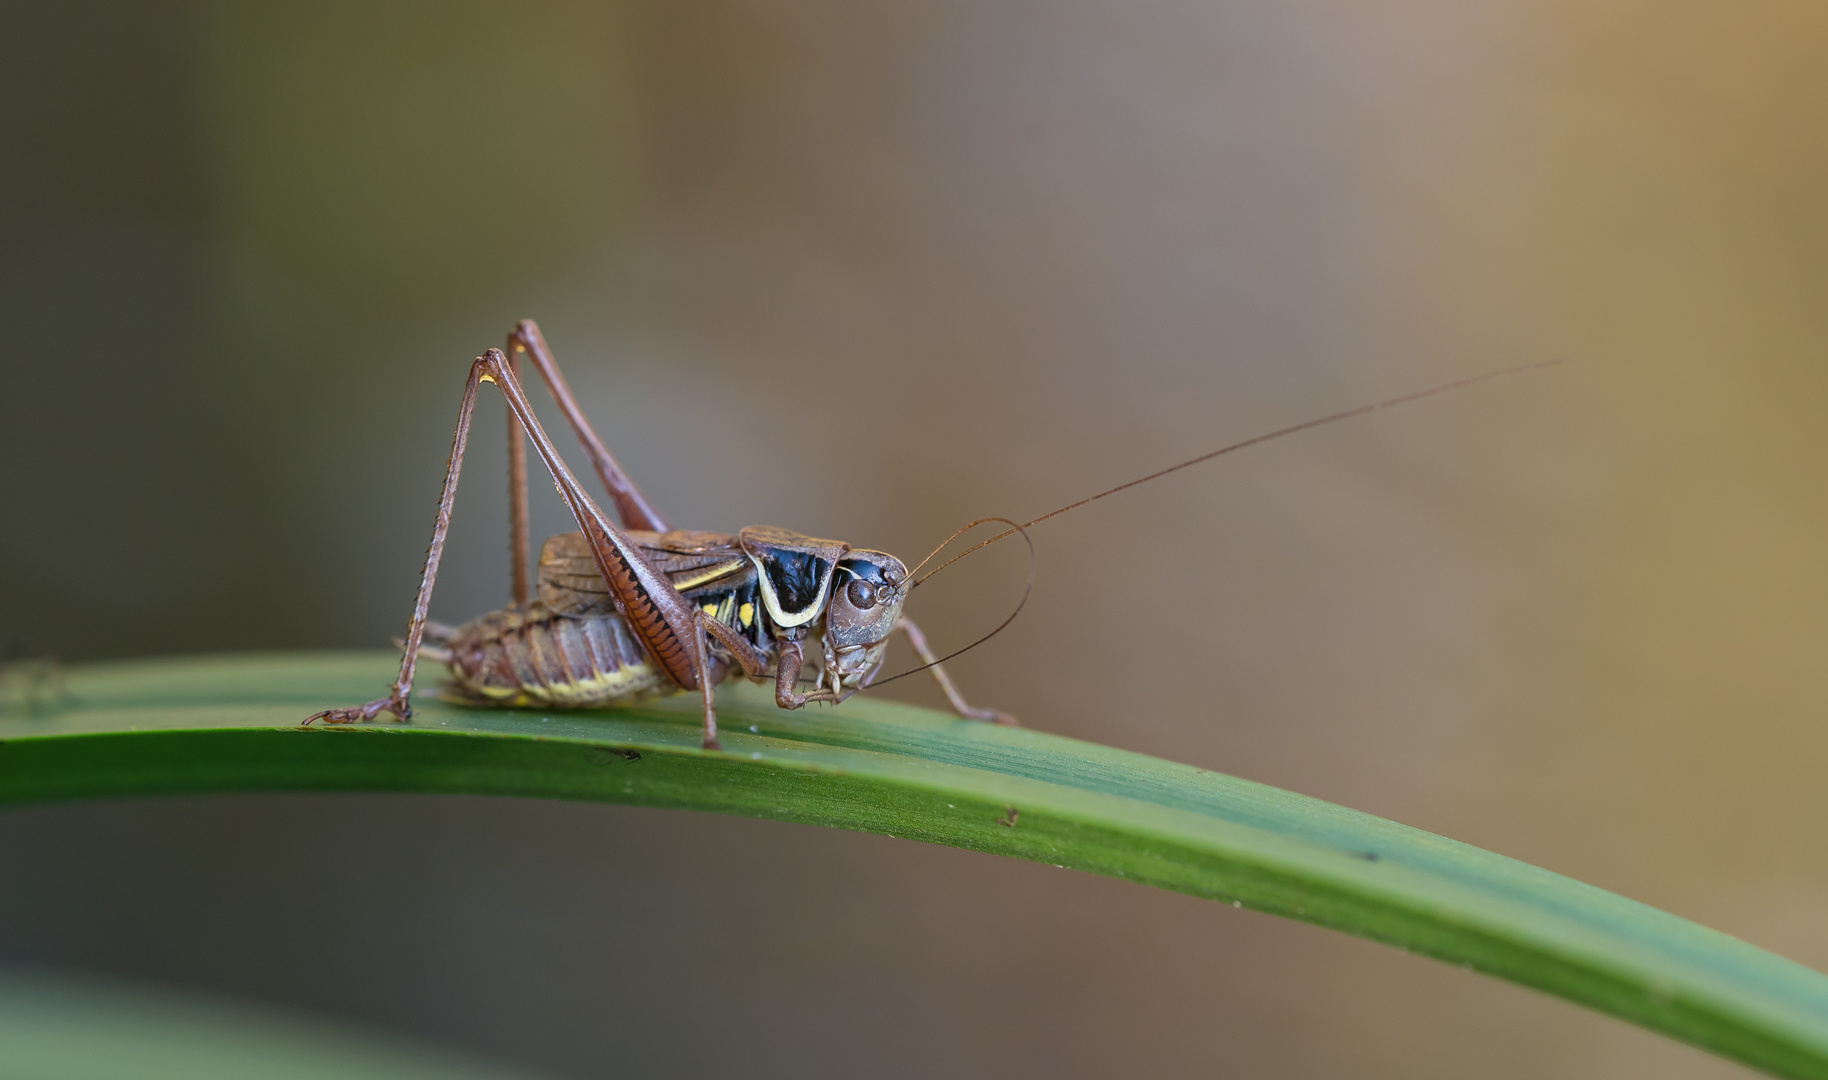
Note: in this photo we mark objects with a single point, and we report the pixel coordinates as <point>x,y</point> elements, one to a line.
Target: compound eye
<point>861,594</point>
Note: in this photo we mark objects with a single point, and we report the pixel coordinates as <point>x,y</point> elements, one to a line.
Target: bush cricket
<point>622,614</point>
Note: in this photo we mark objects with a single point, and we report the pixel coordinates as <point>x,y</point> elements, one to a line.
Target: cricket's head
<point>866,597</point>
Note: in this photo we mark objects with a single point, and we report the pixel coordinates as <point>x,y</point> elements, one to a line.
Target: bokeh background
<point>871,269</point>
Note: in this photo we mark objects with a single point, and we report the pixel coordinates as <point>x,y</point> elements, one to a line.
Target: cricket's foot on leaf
<point>362,714</point>
<point>992,716</point>
<point>822,696</point>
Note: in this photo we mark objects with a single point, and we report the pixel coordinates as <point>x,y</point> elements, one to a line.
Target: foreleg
<point>787,678</point>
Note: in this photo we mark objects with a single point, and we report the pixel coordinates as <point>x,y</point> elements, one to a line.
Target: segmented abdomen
<point>531,657</point>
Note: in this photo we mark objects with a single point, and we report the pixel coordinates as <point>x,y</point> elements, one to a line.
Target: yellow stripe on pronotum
<point>707,574</point>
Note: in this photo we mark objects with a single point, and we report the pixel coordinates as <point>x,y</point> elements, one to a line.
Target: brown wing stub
<point>571,584</point>
<point>685,542</point>
<point>569,581</point>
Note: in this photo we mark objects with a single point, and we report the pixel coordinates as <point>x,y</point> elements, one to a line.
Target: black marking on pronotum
<point>797,577</point>
<point>795,572</point>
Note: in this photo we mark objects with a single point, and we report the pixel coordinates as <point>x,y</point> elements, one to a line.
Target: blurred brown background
<point>869,270</point>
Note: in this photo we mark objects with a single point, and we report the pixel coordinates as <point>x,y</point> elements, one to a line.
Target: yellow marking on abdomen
<point>626,685</point>
<point>746,613</point>
<point>630,682</point>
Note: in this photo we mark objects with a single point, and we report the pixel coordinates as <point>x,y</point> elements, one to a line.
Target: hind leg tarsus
<point>361,714</point>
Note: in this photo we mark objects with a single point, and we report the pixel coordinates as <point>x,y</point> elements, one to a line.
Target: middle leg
<point>746,658</point>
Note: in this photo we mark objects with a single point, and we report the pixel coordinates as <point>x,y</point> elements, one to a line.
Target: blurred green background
<point>872,269</point>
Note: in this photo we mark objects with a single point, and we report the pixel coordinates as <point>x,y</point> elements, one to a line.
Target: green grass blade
<point>55,1026</point>
<point>230,724</point>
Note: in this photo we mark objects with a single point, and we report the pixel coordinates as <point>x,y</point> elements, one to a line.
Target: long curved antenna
<point>1020,604</point>
<point>914,574</point>
<point>1334,418</point>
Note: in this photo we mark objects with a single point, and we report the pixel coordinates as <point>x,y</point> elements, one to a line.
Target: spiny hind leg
<point>435,645</point>
<point>631,506</point>
<point>918,642</point>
